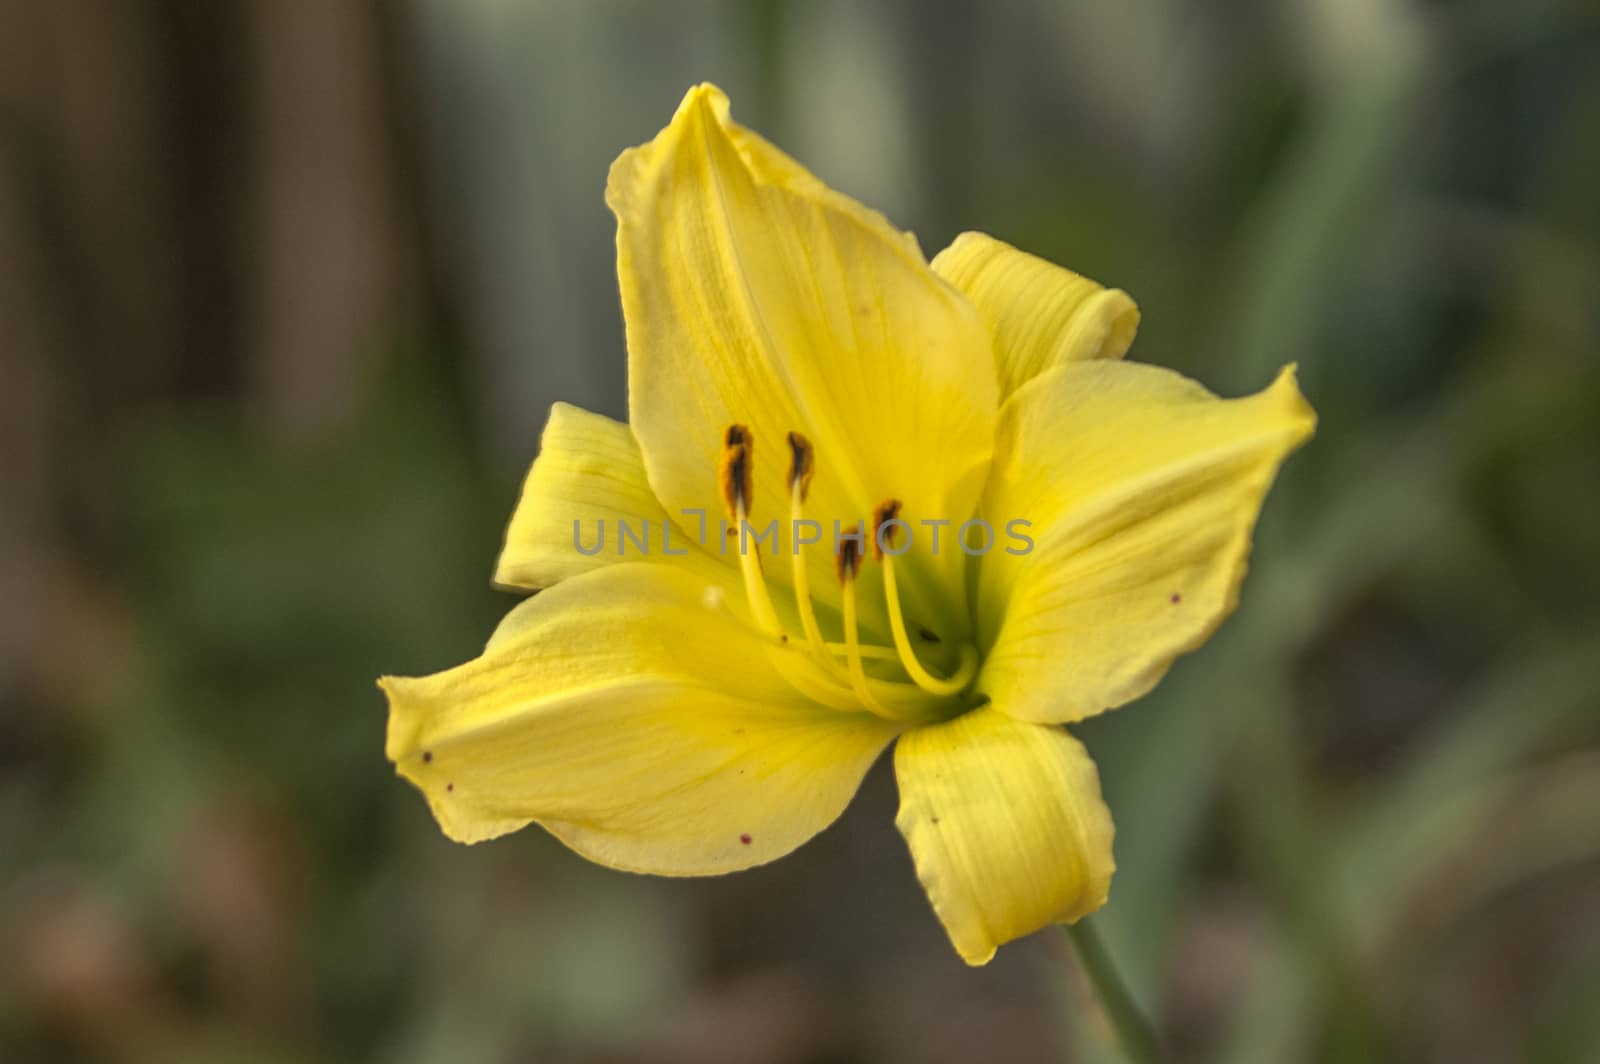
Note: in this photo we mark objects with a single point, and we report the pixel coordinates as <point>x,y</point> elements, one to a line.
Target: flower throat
<point>817,671</point>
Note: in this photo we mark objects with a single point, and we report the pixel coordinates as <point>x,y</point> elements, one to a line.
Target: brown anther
<point>802,463</point>
<point>848,561</point>
<point>888,510</point>
<point>735,473</point>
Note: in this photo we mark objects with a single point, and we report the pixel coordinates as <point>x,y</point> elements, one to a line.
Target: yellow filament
<point>804,676</point>
<point>802,583</point>
<point>755,585</point>
<point>852,650</point>
<point>908,657</point>
<point>868,650</point>
<point>899,701</point>
<point>824,686</point>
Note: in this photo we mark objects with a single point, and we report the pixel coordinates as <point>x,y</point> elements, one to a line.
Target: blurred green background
<point>287,287</point>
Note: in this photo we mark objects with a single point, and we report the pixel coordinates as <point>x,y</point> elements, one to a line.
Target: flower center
<point>836,672</point>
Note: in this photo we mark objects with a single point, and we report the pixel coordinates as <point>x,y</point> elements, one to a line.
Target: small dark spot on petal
<point>934,819</point>
<point>427,757</point>
<point>1176,598</point>
<point>745,839</point>
<point>783,639</point>
<point>927,635</point>
<point>450,787</point>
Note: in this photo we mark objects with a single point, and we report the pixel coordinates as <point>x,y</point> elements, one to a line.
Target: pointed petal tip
<point>704,94</point>
<point>390,685</point>
<point>1287,385</point>
<point>704,102</point>
<point>400,739</point>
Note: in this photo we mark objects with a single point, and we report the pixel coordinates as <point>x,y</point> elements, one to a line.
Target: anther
<point>735,478</point>
<point>802,464</point>
<point>847,563</point>
<point>888,510</point>
<point>735,473</point>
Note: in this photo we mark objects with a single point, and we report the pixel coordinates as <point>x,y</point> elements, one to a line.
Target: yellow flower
<point>674,704</point>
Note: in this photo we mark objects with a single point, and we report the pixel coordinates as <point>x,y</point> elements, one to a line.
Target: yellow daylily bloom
<point>861,499</point>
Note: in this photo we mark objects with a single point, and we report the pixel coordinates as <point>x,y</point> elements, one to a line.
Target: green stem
<point>1134,1033</point>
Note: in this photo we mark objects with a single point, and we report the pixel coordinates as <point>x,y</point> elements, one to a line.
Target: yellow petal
<point>586,487</point>
<point>1006,825</point>
<point>640,721</point>
<point>1142,489</point>
<point>754,295</point>
<point>1040,315</point>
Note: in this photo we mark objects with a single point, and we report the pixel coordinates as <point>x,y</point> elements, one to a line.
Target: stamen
<point>805,677</point>
<point>892,700</point>
<point>883,537</point>
<point>848,563</point>
<point>832,688</point>
<point>801,466</point>
<point>823,688</point>
<point>819,675</point>
<point>736,476</point>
